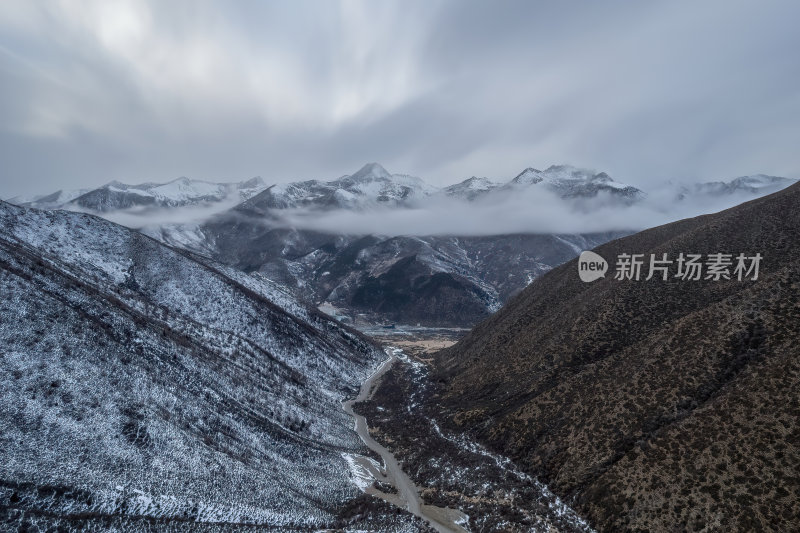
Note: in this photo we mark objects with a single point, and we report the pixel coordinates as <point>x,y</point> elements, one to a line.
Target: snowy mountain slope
<point>145,383</point>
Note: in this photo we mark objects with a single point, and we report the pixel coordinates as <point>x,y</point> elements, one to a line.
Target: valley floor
<point>388,481</point>
<point>416,341</point>
<point>450,474</point>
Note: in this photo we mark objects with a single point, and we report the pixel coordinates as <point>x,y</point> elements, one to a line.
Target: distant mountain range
<point>660,405</point>
<point>372,186</point>
<point>435,280</point>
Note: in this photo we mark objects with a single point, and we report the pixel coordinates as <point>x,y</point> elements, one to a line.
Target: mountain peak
<point>371,170</point>
<point>529,176</point>
<point>473,183</point>
<point>602,176</point>
<point>470,188</point>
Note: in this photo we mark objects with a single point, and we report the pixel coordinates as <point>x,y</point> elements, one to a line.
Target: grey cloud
<point>147,217</point>
<point>646,91</point>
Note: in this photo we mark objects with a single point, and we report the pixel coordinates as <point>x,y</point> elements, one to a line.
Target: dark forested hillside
<point>653,405</point>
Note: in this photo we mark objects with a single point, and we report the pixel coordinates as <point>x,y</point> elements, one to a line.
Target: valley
<point>199,384</point>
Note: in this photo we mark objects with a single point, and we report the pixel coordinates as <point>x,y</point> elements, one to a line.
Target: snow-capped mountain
<point>471,188</point>
<point>756,185</point>
<point>565,181</point>
<point>177,193</point>
<point>571,182</point>
<point>54,200</point>
<point>371,187</point>
<point>144,383</point>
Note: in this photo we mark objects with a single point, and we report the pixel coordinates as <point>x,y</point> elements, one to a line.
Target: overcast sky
<point>149,91</point>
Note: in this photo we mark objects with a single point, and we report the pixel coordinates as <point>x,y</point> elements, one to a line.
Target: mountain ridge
<point>373,186</point>
<point>143,383</point>
<point>651,404</point>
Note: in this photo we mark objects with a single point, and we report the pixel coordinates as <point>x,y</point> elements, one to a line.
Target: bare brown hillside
<point>653,405</point>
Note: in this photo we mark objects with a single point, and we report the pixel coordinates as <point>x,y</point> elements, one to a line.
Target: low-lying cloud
<point>142,217</point>
<point>540,212</point>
